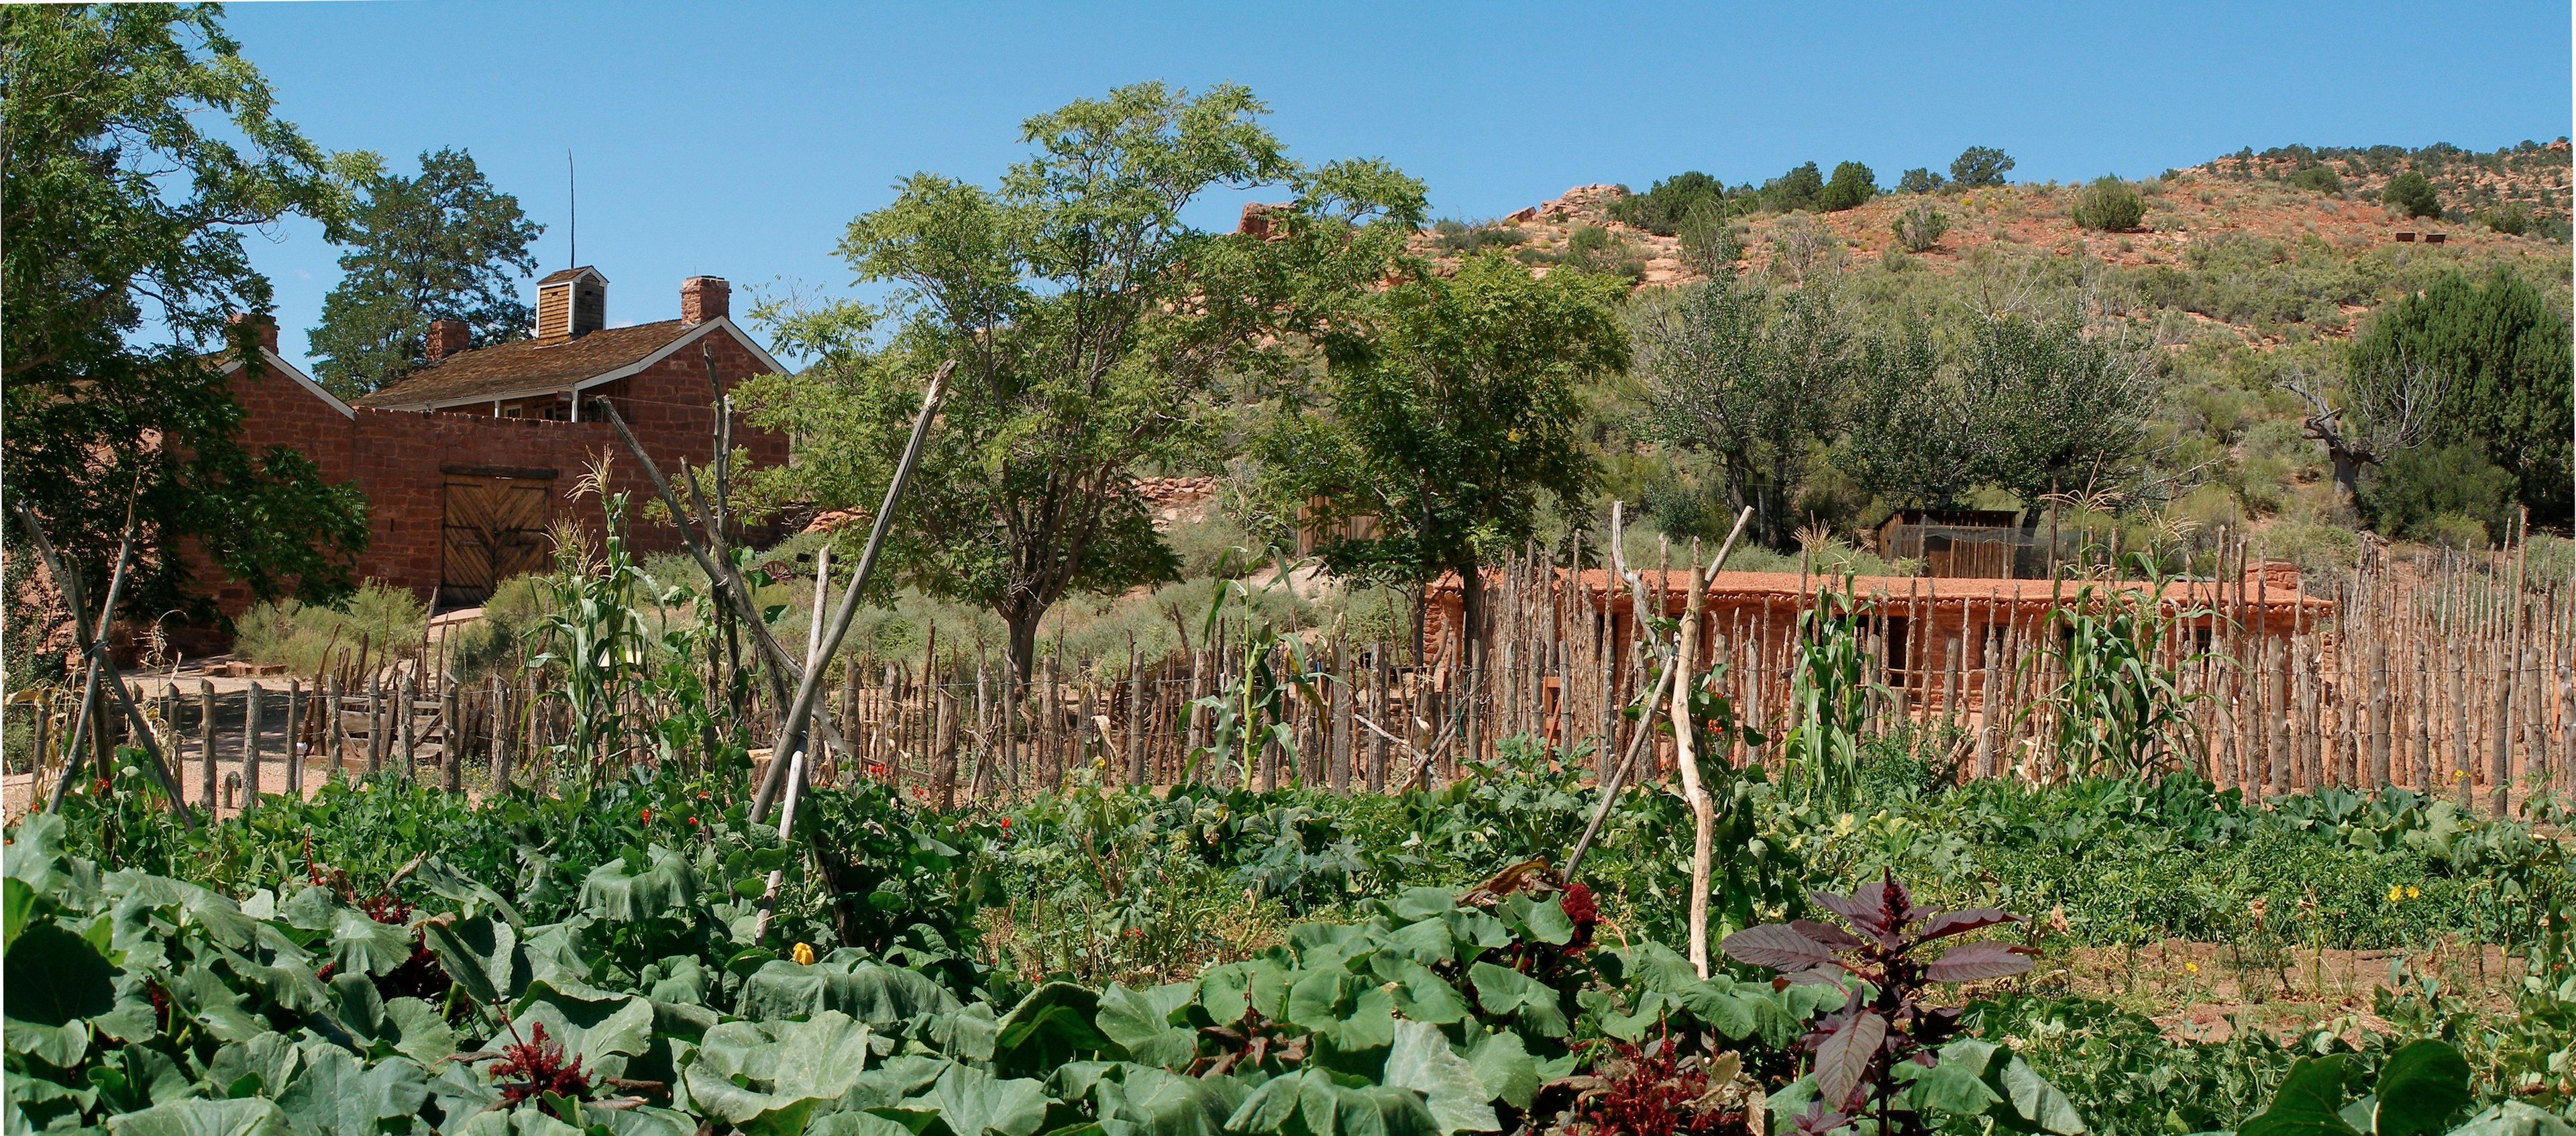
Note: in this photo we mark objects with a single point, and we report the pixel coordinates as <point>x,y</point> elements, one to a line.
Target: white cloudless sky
<point>739,139</point>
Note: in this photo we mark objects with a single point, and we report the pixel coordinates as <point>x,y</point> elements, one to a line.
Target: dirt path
<point>2207,991</point>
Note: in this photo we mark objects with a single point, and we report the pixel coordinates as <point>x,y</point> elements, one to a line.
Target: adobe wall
<point>400,459</point>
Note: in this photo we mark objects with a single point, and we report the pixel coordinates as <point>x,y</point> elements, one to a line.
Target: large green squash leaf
<point>1140,1022</point>
<point>972,1102</point>
<point>1050,1027</point>
<point>55,977</point>
<point>1422,1061</point>
<point>249,1116</point>
<point>613,893</point>
<point>870,992</point>
<point>334,1095</point>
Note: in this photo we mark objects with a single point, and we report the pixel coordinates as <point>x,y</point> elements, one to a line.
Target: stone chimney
<point>447,337</point>
<point>266,325</point>
<point>703,298</point>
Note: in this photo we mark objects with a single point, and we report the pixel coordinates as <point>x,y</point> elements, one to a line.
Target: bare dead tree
<point>2384,408</point>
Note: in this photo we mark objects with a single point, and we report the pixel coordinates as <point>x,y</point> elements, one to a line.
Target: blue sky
<point>738,140</point>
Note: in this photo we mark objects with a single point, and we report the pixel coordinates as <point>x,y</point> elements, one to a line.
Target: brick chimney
<point>447,337</point>
<point>267,328</point>
<point>703,298</point>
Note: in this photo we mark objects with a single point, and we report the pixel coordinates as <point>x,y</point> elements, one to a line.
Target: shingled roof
<point>531,366</point>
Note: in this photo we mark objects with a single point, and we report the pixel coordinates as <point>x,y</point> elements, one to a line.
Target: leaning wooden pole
<point>94,644</point>
<point>1646,720</point>
<point>791,729</point>
<point>1686,757</point>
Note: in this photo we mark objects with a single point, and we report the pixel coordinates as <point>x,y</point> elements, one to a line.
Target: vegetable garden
<point>625,936</point>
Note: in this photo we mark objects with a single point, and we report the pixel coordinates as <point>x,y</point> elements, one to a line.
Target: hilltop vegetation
<point>2235,289</point>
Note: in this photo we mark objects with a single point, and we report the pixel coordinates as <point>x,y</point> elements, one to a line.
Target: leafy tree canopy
<point>1980,166</point>
<point>442,245</point>
<point>2030,406</point>
<point>1852,184</point>
<point>1090,325</point>
<point>1751,378</point>
<point>137,148</point>
<point>1661,210</point>
<point>2412,193</point>
<point>2501,352</point>
<point>1455,405</point>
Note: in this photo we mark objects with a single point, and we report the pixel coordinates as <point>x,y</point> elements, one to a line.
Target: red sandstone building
<point>466,462</point>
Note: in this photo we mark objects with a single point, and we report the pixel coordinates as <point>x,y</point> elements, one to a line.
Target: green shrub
<point>1592,248</point>
<point>1472,238</point>
<point>300,636</point>
<point>2320,177</point>
<point>2109,205</point>
<point>1709,242</point>
<point>2412,195</point>
<point>2513,220</point>
<point>510,616</point>
<point>1798,189</point>
<point>1852,184</point>
<point>1662,209</point>
<point>2455,530</point>
<point>2406,494</point>
<point>1919,180</point>
<point>1920,226</point>
<point>1980,166</point>
<point>2315,544</point>
<point>1203,545</point>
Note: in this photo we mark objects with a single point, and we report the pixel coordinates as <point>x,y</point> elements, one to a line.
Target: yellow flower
<point>803,954</point>
<point>2191,968</point>
<point>2411,893</point>
<point>2395,893</point>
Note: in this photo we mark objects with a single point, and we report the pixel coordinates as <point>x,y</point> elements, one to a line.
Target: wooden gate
<point>495,529</point>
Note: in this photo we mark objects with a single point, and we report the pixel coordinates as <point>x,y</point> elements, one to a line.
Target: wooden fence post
<point>295,739</point>
<point>206,741</point>
<point>250,744</point>
<point>451,736</point>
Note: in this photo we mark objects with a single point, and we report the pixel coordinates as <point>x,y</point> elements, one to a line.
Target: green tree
<point>1747,377</point>
<point>2063,408</point>
<point>2412,493</point>
<point>2110,205</point>
<point>442,245</point>
<point>1980,166</point>
<point>1453,408</point>
<point>1915,437</point>
<point>2501,350</point>
<point>1661,209</point>
<point>1800,188</point>
<point>1090,325</point>
<point>1920,226</point>
<point>137,146</point>
<point>2321,178</point>
<point>1919,180</point>
<point>1852,184</point>
<point>2025,405</point>
<point>2410,193</point>
<point>1709,243</point>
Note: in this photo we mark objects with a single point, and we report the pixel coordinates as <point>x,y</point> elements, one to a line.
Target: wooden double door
<point>495,529</point>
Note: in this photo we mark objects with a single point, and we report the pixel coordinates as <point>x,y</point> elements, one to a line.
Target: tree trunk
<point>1471,610</point>
<point>2347,476</point>
<point>1022,618</point>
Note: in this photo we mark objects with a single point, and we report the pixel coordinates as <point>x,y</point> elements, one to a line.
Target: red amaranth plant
<point>1583,910</point>
<point>1858,1047</point>
<point>1651,1093</point>
<point>534,1068</point>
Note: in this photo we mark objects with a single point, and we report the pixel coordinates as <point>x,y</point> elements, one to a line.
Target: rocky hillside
<point>2230,210</point>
